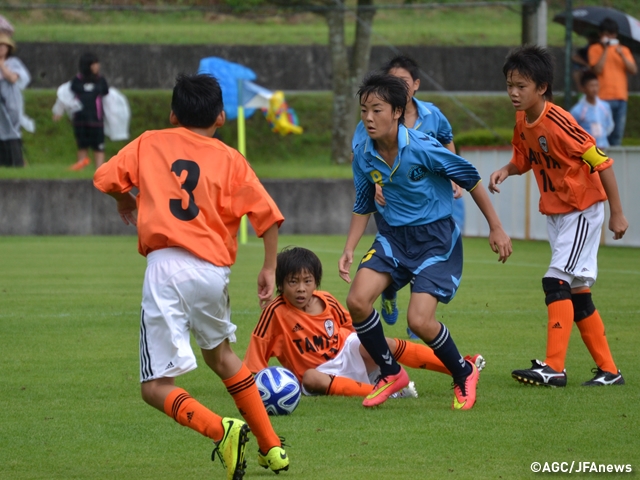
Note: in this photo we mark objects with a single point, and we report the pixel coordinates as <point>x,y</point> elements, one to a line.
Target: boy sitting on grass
<point>310,333</point>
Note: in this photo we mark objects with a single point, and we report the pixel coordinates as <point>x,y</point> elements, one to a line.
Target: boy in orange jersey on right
<point>193,191</point>
<point>575,179</point>
<point>311,334</point>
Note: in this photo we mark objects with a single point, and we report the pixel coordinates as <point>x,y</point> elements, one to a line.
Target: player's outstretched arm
<point>617,222</point>
<point>498,239</point>
<point>356,230</point>
<point>500,176</point>
<point>127,206</point>
<point>267,275</point>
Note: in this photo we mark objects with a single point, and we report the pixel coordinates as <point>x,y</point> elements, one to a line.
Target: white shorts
<point>574,238</point>
<point>181,294</point>
<point>348,363</point>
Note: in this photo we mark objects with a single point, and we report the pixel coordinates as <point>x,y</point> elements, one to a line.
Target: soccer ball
<point>279,389</point>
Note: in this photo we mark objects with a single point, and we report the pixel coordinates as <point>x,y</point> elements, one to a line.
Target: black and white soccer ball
<point>279,389</point>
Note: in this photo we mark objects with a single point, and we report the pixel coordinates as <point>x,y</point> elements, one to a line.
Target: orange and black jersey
<point>193,191</point>
<point>553,148</point>
<point>298,340</point>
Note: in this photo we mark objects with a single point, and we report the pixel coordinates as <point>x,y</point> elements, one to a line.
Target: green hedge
<point>52,147</point>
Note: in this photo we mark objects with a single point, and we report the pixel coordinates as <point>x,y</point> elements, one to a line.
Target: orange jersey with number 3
<point>298,340</point>
<point>193,191</point>
<point>552,147</point>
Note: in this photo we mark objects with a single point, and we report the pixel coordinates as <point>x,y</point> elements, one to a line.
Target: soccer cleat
<point>276,459</point>
<point>80,164</point>
<point>478,360</point>
<point>412,335</point>
<point>389,308</point>
<point>230,449</point>
<point>541,374</point>
<point>464,396</point>
<point>604,378</point>
<point>407,392</point>
<point>385,387</point>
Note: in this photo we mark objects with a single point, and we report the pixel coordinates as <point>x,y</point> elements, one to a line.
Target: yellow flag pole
<point>242,148</point>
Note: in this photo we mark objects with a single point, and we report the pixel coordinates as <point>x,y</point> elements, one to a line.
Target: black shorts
<point>89,137</point>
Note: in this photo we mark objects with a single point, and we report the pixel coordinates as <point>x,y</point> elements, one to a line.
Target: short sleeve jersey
<point>298,340</point>
<point>613,79</point>
<point>417,187</point>
<point>552,148</point>
<point>193,191</point>
<point>430,121</point>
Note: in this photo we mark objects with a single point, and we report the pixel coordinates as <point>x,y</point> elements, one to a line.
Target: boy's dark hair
<point>402,61</point>
<point>293,260</point>
<point>390,89</point>
<point>196,100</point>
<point>534,63</point>
<point>587,76</point>
<point>608,25</point>
<point>84,65</point>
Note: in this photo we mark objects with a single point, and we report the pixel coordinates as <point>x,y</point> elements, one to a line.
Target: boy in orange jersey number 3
<point>575,179</point>
<point>193,192</point>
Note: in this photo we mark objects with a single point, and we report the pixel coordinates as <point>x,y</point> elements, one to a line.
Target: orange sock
<point>558,333</point>
<point>593,336</point>
<point>243,389</point>
<point>416,355</point>
<point>187,411</point>
<point>348,388</point>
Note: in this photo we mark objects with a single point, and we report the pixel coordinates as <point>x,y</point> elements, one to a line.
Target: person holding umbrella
<point>612,62</point>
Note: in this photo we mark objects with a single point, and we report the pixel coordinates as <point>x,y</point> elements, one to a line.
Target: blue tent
<point>228,73</point>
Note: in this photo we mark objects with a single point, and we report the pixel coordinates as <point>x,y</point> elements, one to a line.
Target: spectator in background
<point>88,123</point>
<point>591,113</point>
<point>14,77</point>
<point>612,62</point>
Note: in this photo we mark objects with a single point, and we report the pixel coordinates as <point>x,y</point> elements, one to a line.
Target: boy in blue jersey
<point>418,242</point>
<point>591,113</point>
<point>424,117</point>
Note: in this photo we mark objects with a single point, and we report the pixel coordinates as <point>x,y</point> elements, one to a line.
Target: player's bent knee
<point>358,306</point>
<point>583,306</point>
<point>555,290</point>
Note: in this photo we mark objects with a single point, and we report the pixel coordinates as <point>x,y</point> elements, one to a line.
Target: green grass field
<point>70,405</point>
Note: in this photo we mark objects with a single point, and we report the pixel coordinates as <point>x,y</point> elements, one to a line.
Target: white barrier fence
<point>517,204</point>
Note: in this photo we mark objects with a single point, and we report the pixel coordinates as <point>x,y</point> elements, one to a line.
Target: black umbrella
<point>587,20</point>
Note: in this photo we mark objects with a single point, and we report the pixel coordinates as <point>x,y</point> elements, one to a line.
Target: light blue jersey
<point>430,121</point>
<point>595,119</point>
<point>417,188</point>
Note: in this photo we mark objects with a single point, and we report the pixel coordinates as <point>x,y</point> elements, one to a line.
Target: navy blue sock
<point>371,336</point>
<point>445,349</point>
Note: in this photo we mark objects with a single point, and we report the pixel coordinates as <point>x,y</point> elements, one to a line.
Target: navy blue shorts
<point>427,256</point>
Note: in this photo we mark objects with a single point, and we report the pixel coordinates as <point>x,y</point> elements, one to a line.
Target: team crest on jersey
<point>328,326</point>
<point>417,173</point>
<point>543,144</point>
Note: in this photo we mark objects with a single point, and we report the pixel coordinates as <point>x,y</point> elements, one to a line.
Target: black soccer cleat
<point>604,378</point>
<point>541,374</point>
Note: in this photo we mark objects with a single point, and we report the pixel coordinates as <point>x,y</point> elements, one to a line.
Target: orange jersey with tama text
<point>298,340</point>
<point>552,148</point>
<point>193,191</point>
